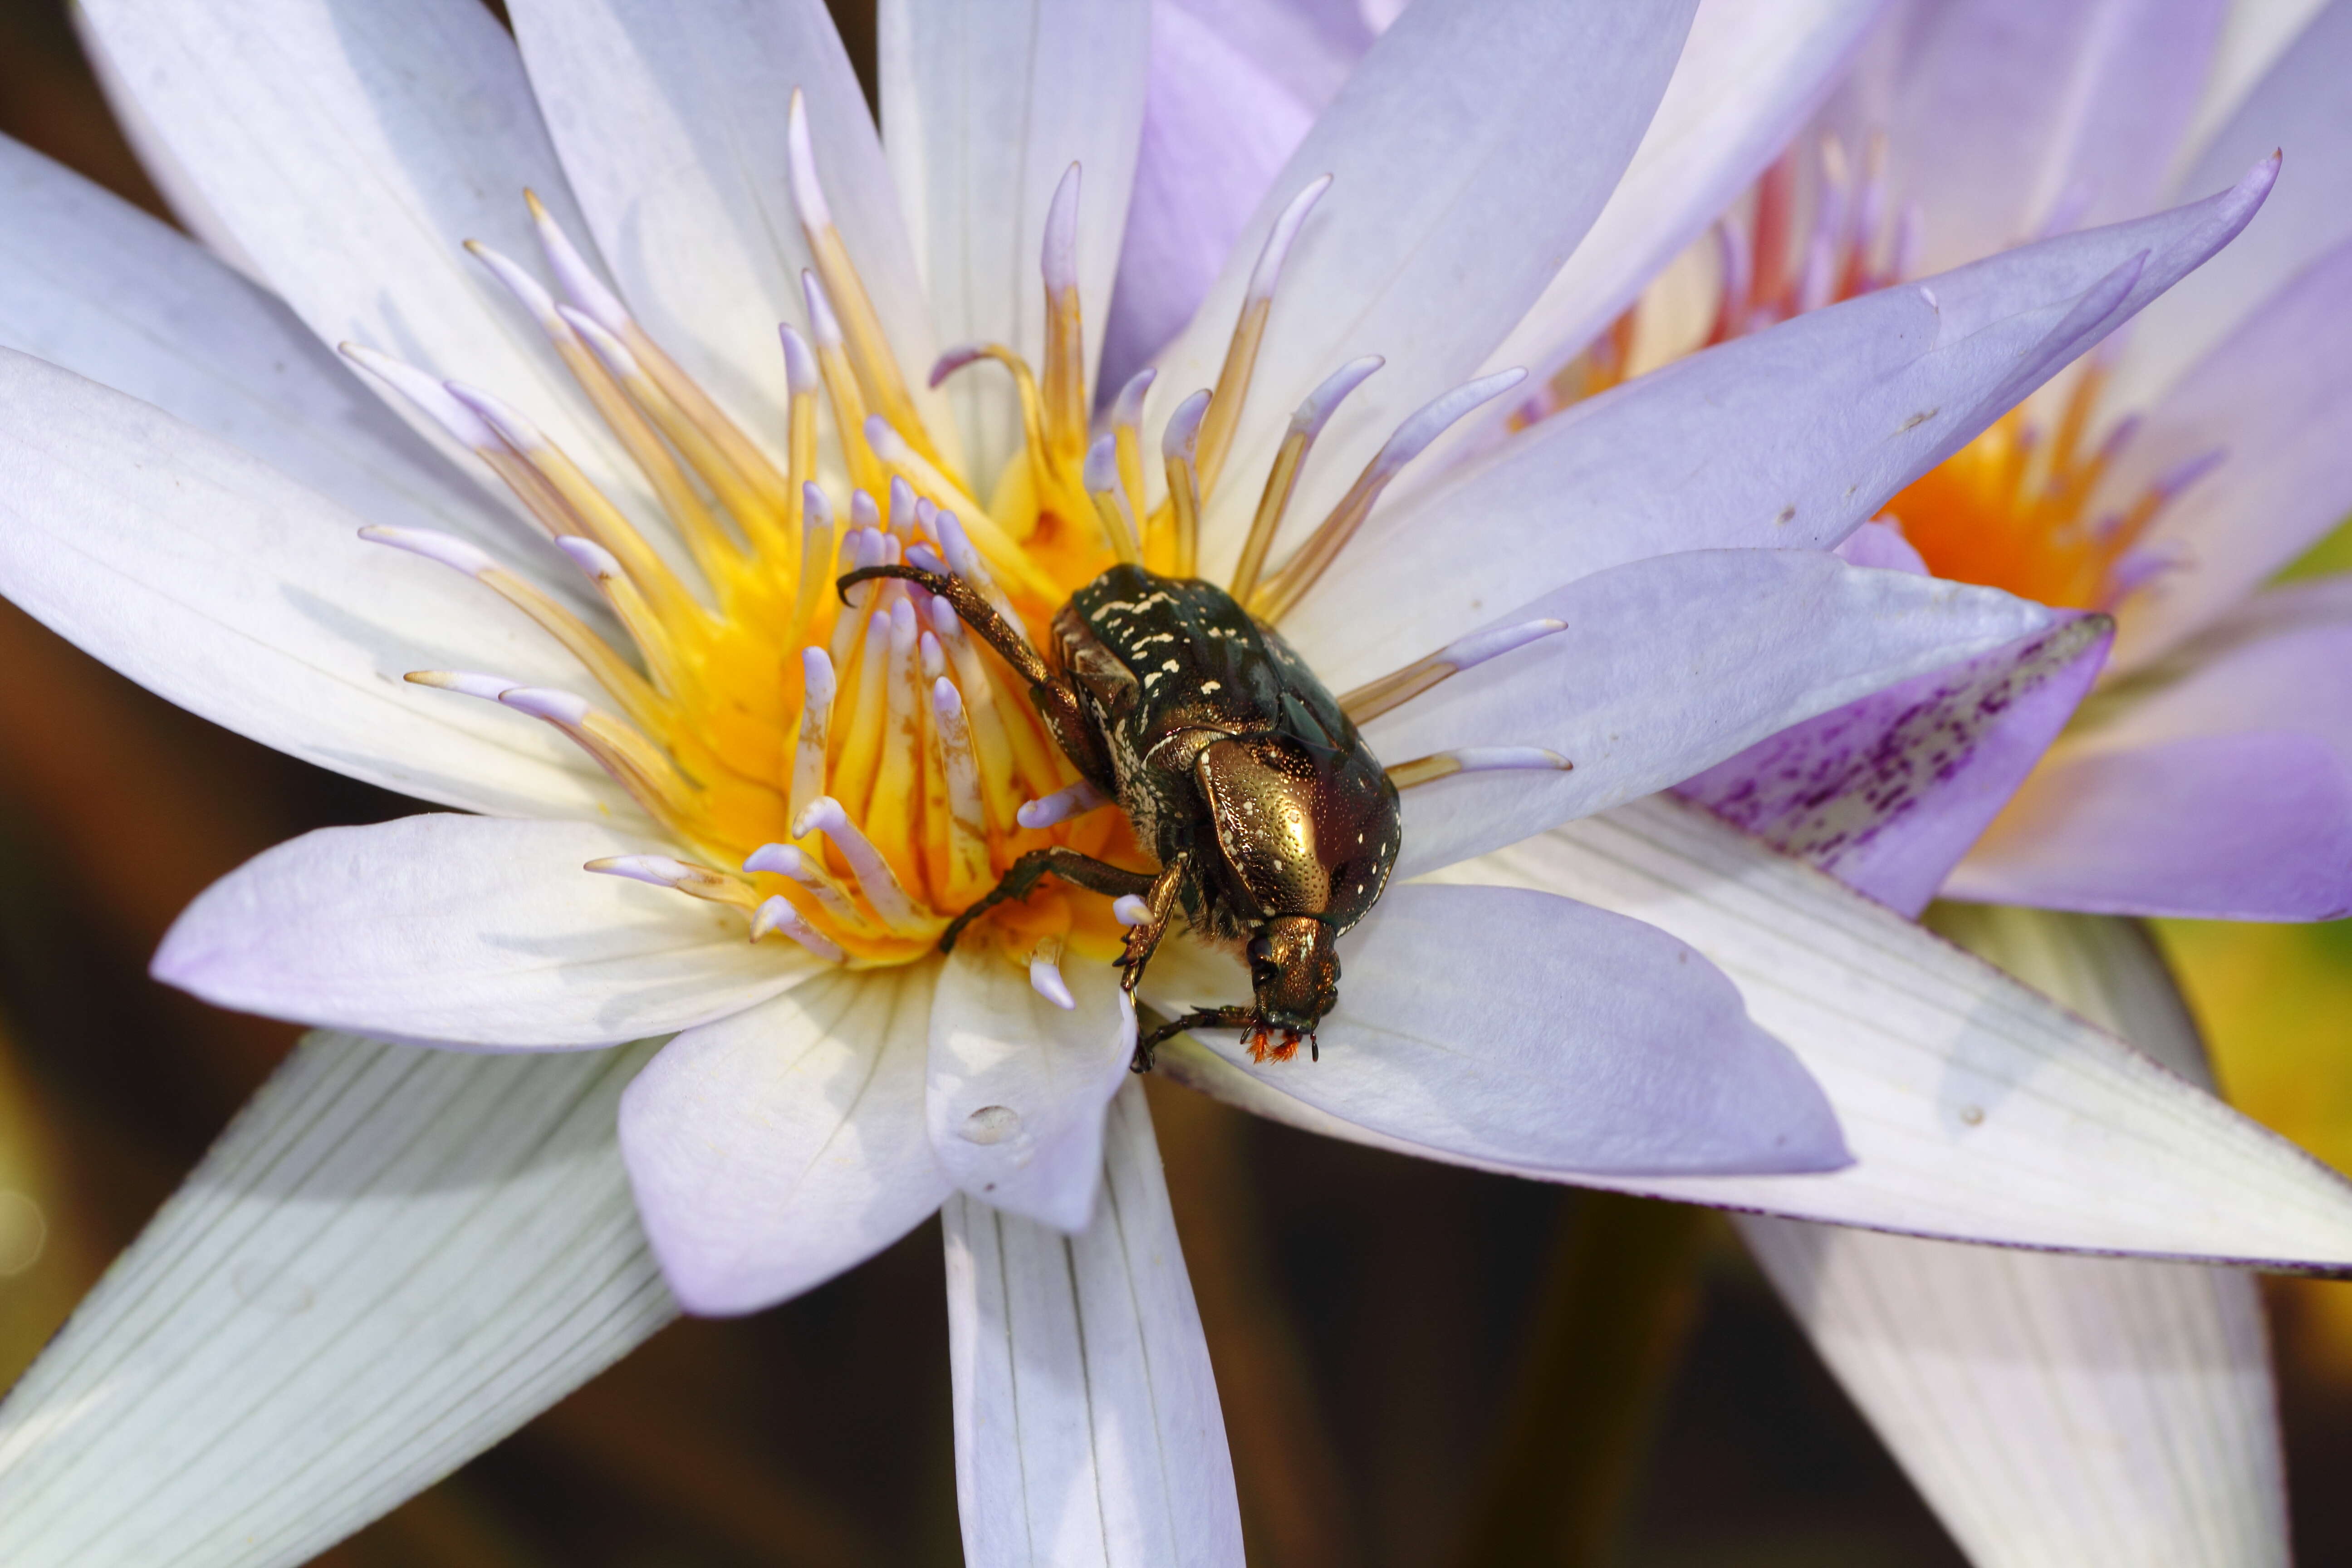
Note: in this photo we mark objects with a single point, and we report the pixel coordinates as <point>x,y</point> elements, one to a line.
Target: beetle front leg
<point>1206,1018</point>
<point>1084,870</point>
<point>1054,699</point>
<point>1159,909</point>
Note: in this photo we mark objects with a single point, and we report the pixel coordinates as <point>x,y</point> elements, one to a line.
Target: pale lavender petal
<point>1218,124</point>
<point>2224,790</point>
<point>2300,107</point>
<point>1888,792</point>
<point>1507,1026</point>
<point>2254,827</point>
<point>1018,1083</point>
<point>1087,1425</point>
<point>772,1149</point>
<point>2009,122</point>
<point>1789,439</point>
<point>2274,401</point>
<point>1881,544</point>
<point>472,931</point>
<point>1665,667</point>
<point>1469,153</point>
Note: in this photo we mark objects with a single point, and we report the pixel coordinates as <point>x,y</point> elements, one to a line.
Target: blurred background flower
<point>1371,1317</point>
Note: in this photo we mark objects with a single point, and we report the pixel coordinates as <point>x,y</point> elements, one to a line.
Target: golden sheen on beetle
<point>895,768</point>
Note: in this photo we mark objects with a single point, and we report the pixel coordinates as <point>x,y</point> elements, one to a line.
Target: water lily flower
<point>398,1254</point>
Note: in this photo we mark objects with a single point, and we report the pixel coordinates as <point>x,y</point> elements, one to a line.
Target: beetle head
<point>1295,971</point>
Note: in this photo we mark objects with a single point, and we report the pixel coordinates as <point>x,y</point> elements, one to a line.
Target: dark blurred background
<point>1400,1346</point>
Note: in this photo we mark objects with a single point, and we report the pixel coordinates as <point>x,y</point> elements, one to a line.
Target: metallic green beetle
<point>1274,826</point>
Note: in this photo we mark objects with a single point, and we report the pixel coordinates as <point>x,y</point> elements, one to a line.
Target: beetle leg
<point>1053,695</point>
<point>1160,907</point>
<point>1206,1018</point>
<point>1096,876</point>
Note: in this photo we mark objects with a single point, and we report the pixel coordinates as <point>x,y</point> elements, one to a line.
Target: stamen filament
<point>816,575</point>
<point>778,915</point>
<point>1370,700</point>
<point>1411,438</point>
<point>696,881</point>
<point>1076,800</point>
<point>870,355</point>
<point>1127,431</point>
<point>861,742</point>
<point>1104,489</point>
<point>876,883</point>
<point>841,385</point>
<point>1476,760</point>
<point>1046,974</point>
<point>1066,353</point>
<point>801,867</point>
<point>1249,332</point>
<point>817,721</point>
<point>1306,424</point>
<point>1178,442</point>
<point>967,868</point>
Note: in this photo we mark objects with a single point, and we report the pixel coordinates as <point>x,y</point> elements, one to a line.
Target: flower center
<point>854,771</point>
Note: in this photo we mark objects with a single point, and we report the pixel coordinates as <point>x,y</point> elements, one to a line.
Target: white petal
<point>1789,439</point>
<point>1509,1028</point>
<point>1976,1110</point>
<point>1666,667</point>
<point>1747,75</point>
<point>983,107</point>
<point>391,1261</point>
<point>90,282</point>
<point>470,930</point>
<point>772,1149</point>
<point>1088,1432</point>
<point>2057,1409</point>
<point>1470,151</point>
<point>671,121</point>
<point>207,577</point>
<point>2300,108</point>
<point>1018,1084</point>
<point>350,153</point>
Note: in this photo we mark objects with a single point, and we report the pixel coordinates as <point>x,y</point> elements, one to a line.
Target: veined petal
<point>1888,792</point>
<point>350,153</point>
<point>1788,439</point>
<point>2057,1409</point>
<point>671,121</point>
<point>2219,786</point>
<point>1666,667</point>
<point>2299,106</point>
<point>772,1149</point>
<point>1018,1084</point>
<point>2273,399</point>
<point>1747,75</point>
<point>1470,151</point>
<point>1087,1431</point>
<point>1976,1110</point>
<point>90,282</point>
<point>391,1261</point>
<point>983,110</point>
<point>206,576</point>
<point>2014,123</point>
<point>1505,1027</point>
<point>470,930</point>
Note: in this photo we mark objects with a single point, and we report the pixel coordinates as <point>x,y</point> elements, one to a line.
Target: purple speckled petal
<point>2224,790</point>
<point>1888,792</point>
